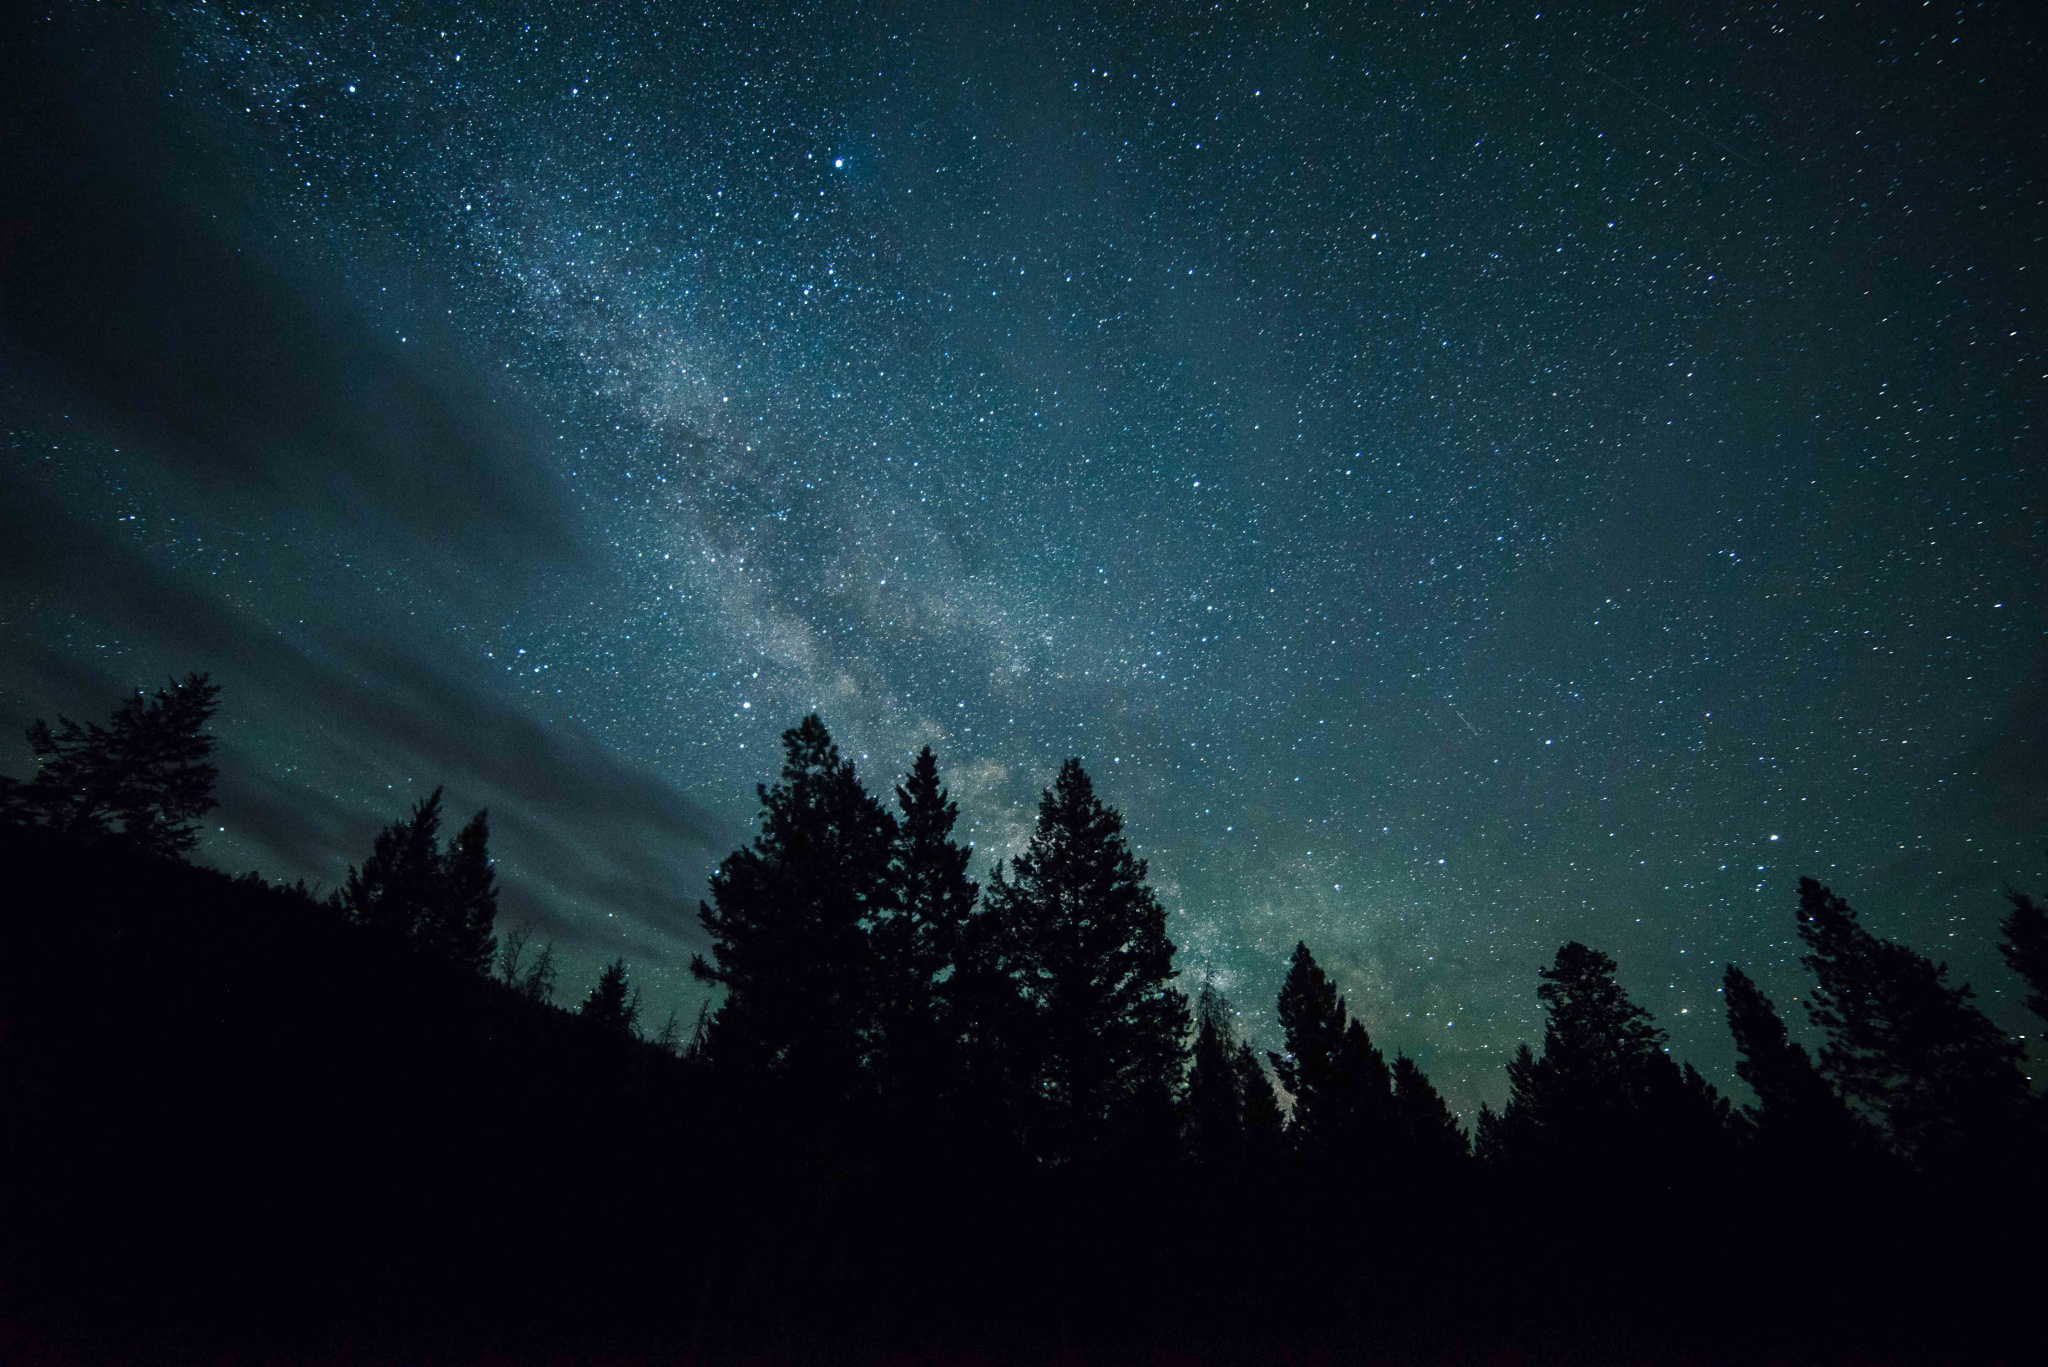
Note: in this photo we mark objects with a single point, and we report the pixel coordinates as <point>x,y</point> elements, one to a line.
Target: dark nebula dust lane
<point>1460,479</point>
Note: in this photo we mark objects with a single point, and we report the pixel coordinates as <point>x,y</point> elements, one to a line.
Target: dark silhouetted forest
<point>926,1115</point>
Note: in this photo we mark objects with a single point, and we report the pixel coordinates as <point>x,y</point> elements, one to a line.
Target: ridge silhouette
<point>925,1115</point>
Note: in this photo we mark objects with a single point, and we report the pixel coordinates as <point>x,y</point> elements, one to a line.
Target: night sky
<point>1461,479</point>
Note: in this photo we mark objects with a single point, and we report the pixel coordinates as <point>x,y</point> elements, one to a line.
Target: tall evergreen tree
<point>1511,1135</point>
<point>1312,1015</point>
<point>1076,942</point>
<point>1701,1121</point>
<point>1797,1116</point>
<point>613,1003</point>
<point>1428,1130</point>
<point>1232,1119</point>
<point>1264,1126</point>
<point>1368,1125</point>
<point>1342,1090</point>
<point>1604,1093</point>
<point>789,918</point>
<point>145,776</point>
<point>1904,1046</point>
<point>400,886</point>
<point>459,924</point>
<point>918,940</point>
<point>445,901</point>
<point>2024,945</point>
<point>1215,1107</point>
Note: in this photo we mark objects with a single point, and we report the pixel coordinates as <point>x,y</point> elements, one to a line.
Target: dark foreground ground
<point>239,1130</point>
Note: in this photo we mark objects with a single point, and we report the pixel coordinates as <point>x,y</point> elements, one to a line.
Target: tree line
<point>860,968</point>
<point>143,780</point>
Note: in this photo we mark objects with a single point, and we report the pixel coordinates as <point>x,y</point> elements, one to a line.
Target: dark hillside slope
<point>227,1105</point>
<point>235,1119</point>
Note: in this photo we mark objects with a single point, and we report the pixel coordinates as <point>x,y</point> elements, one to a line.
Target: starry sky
<point>1461,477</point>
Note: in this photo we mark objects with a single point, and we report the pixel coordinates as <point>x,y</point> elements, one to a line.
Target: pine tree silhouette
<point>1905,1047</point>
<point>1214,1130</point>
<point>1232,1127</point>
<point>1511,1135</point>
<point>1428,1130</point>
<point>2023,943</point>
<point>789,919</point>
<point>1604,1095</point>
<point>613,1003</point>
<point>1342,1090</point>
<point>1264,1126</point>
<point>459,925</point>
<point>399,887</point>
<point>1798,1117</point>
<point>443,901</point>
<point>1700,1119</point>
<point>917,942</point>
<point>1073,951</point>
<point>145,776</point>
<point>1313,1016</point>
<point>1366,1133</point>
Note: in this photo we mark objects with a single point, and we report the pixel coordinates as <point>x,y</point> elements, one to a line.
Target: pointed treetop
<point>2024,946</point>
<point>613,1002</point>
<point>920,797</point>
<point>1904,1044</point>
<point>147,772</point>
<point>1592,1023</point>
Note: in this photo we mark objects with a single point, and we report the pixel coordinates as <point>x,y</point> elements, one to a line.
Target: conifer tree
<point>1510,1135</point>
<point>1701,1121</point>
<point>789,918</point>
<point>1343,1093</point>
<point>1428,1130</point>
<point>2024,946</point>
<point>1076,942</point>
<point>1232,1119</point>
<point>1604,1093</point>
<point>145,776</point>
<point>1797,1116</point>
<point>1264,1126</point>
<point>1215,1126</point>
<point>458,926</point>
<point>1904,1046</point>
<point>445,901</point>
<point>613,1003</point>
<point>399,887</point>
<point>918,940</point>
<point>1313,1016</point>
<point>1595,1035</point>
<point>1367,1127</point>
